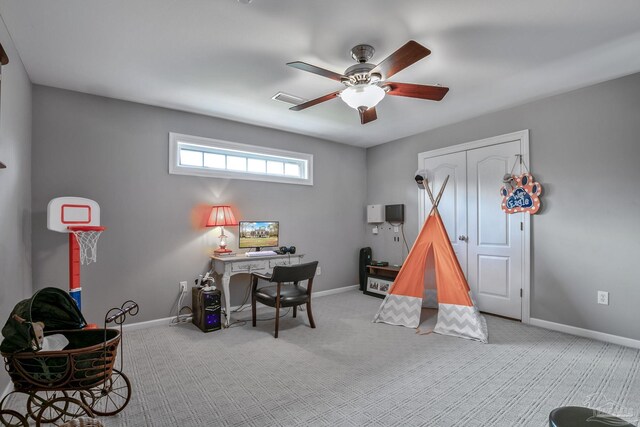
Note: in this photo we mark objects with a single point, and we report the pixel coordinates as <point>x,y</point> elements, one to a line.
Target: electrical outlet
<point>183,286</point>
<point>603,297</point>
<point>318,271</point>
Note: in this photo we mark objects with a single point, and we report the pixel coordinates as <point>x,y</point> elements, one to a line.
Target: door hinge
<point>522,226</point>
<point>520,292</point>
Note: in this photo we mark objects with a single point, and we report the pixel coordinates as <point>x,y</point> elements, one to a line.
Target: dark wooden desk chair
<point>287,292</point>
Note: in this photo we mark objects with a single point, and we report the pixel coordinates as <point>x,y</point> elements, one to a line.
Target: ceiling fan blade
<point>408,54</point>
<point>314,101</point>
<point>367,115</point>
<point>434,93</point>
<point>316,70</point>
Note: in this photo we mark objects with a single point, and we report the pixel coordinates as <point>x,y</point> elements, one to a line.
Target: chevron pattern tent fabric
<point>461,321</point>
<point>400,310</point>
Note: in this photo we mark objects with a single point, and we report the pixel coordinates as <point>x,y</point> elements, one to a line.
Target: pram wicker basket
<point>79,380</point>
<point>76,367</point>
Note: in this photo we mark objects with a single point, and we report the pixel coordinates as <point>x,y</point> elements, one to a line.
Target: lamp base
<point>221,251</point>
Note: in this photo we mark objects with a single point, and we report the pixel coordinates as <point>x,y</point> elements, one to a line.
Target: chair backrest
<point>294,273</point>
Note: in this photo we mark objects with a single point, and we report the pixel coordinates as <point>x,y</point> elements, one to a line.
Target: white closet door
<point>453,204</point>
<point>495,243</point>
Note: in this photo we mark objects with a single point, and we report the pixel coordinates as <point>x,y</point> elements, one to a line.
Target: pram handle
<point>129,307</point>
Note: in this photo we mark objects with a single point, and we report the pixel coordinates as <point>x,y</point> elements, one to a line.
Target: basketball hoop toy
<point>85,243</point>
<point>80,218</point>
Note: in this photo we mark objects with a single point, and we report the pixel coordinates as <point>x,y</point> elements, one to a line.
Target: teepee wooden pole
<point>444,184</point>
<point>426,187</point>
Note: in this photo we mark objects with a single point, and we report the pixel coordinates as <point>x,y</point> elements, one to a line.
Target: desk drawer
<point>283,261</point>
<point>248,266</point>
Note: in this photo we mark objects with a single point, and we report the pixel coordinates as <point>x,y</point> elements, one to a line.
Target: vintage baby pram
<point>79,380</point>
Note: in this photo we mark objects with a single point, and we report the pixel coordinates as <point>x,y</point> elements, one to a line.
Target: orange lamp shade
<point>221,216</point>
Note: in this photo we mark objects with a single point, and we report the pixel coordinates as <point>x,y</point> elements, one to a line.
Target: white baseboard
<point>587,333</point>
<point>335,291</point>
<point>148,324</point>
<point>167,320</point>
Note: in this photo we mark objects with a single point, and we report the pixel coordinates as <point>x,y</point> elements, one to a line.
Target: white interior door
<point>492,247</point>
<point>495,243</point>
<point>453,204</point>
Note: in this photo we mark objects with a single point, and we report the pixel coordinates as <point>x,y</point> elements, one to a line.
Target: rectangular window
<point>257,166</point>
<point>190,158</point>
<point>235,163</point>
<point>215,161</point>
<point>291,169</point>
<point>193,155</point>
<point>275,168</point>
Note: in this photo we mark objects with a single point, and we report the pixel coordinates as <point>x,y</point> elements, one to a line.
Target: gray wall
<point>116,153</point>
<point>585,151</point>
<point>15,184</point>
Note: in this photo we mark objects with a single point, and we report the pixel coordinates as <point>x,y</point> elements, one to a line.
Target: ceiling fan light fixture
<point>363,95</point>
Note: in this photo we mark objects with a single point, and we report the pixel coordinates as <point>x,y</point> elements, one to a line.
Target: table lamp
<point>221,216</point>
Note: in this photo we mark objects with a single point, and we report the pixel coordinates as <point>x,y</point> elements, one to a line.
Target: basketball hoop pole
<point>82,250</point>
<point>75,290</point>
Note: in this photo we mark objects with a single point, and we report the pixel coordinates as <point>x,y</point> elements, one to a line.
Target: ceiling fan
<point>366,84</point>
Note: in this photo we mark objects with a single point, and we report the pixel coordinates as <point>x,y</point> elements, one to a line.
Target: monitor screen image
<point>258,234</point>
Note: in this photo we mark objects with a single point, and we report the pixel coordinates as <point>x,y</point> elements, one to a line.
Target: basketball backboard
<point>65,212</point>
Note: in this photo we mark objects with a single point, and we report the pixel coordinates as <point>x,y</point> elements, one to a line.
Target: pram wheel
<point>38,399</point>
<point>62,409</point>
<point>11,418</point>
<point>110,397</point>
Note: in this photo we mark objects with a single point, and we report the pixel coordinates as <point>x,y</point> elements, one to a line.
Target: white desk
<point>224,267</point>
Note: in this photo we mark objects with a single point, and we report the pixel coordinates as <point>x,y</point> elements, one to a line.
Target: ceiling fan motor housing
<point>362,52</point>
<point>360,73</point>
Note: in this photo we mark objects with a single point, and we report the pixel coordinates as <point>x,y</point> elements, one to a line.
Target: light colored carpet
<point>351,372</point>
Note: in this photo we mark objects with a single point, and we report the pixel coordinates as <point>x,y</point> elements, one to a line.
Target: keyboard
<point>260,253</point>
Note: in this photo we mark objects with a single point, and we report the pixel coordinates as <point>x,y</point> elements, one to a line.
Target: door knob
<point>463,238</point>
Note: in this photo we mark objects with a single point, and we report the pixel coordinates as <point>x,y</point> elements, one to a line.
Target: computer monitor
<point>258,234</point>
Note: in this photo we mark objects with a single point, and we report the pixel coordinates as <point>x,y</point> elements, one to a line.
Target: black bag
<point>51,306</point>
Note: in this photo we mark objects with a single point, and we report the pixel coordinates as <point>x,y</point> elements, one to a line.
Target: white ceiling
<point>226,59</point>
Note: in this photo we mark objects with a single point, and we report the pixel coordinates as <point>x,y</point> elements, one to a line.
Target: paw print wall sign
<point>521,194</point>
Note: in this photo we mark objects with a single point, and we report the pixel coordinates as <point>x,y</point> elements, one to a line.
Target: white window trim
<point>175,168</point>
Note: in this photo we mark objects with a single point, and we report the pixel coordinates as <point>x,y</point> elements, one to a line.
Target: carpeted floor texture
<point>351,372</point>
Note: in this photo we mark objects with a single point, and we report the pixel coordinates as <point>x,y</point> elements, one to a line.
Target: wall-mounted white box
<point>375,214</point>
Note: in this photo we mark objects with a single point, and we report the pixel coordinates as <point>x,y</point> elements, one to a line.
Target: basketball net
<point>88,243</point>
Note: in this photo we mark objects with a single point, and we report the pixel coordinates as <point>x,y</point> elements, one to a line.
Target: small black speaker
<point>365,260</point>
<point>394,213</point>
<point>287,250</point>
<point>206,309</point>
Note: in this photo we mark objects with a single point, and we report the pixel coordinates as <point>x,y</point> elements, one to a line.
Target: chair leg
<point>277,316</point>
<point>253,310</point>
<point>295,310</point>
<point>311,322</point>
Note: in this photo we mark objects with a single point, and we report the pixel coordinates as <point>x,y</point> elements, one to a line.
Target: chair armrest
<point>255,278</point>
<point>263,276</point>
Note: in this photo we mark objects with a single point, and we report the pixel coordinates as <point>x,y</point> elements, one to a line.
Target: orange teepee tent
<point>457,314</point>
